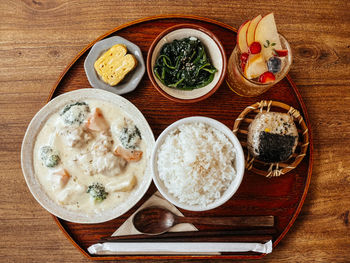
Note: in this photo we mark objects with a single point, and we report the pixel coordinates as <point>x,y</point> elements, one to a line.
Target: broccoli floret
<point>97,192</point>
<point>130,137</point>
<point>75,113</point>
<point>49,156</point>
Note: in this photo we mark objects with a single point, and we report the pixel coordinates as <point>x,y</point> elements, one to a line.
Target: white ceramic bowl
<point>35,127</point>
<point>214,50</point>
<point>239,163</point>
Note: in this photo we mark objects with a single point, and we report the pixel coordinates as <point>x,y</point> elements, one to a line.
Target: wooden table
<point>39,38</point>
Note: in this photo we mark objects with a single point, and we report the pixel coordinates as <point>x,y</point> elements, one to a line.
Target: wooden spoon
<point>157,220</point>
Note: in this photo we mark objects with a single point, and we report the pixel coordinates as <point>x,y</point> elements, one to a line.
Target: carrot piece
<point>128,155</point>
<point>96,121</point>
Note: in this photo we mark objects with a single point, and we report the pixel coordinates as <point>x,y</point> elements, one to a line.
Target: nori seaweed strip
<point>275,148</point>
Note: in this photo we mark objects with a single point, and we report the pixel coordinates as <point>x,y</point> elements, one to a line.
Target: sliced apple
<point>266,33</point>
<point>255,66</point>
<point>251,29</point>
<point>242,37</point>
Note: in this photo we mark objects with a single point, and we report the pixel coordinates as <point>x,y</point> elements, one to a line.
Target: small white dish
<point>239,163</point>
<point>27,158</point>
<point>131,80</point>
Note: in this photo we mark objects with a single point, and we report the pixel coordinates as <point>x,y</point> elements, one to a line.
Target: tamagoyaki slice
<point>114,64</point>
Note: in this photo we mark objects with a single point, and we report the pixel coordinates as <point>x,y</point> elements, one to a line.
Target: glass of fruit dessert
<point>260,59</point>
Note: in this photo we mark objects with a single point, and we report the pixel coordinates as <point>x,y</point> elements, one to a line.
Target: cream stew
<point>89,156</point>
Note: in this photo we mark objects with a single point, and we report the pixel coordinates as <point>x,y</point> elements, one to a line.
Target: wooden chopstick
<point>228,239</point>
<point>199,236</point>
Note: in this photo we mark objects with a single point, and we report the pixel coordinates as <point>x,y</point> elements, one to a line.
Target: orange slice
<point>256,66</point>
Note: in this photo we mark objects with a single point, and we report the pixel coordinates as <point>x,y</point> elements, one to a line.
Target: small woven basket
<point>240,129</point>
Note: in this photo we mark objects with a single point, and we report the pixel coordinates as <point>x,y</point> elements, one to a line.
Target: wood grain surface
<point>39,38</point>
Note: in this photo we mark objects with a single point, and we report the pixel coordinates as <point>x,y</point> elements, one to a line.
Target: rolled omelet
<point>114,64</point>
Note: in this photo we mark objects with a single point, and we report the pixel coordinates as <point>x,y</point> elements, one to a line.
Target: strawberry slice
<point>244,59</point>
<point>255,48</point>
<point>281,52</point>
<point>267,77</point>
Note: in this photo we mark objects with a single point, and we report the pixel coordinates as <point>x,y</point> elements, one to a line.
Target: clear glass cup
<point>238,83</point>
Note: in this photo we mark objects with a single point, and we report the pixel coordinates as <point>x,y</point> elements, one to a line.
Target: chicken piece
<point>108,164</point>
<point>124,185</point>
<point>96,121</point>
<point>75,136</point>
<point>128,154</point>
<point>102,144</point>
<point>92,163</point>
<point>71,195</point>
<point>59,178</point>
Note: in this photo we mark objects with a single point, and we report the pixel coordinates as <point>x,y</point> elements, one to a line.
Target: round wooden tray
<point>281,196</point>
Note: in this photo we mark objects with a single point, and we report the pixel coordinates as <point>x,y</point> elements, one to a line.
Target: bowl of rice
<point>197,163</point>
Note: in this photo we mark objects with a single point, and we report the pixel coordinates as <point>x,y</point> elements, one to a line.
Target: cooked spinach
<point>183,64</point>
<point>75,113</point>
<point>49,156</point>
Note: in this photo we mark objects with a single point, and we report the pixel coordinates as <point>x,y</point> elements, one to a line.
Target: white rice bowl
<point>198,163</point>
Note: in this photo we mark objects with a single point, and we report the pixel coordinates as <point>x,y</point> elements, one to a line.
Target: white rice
<point>196,163</point>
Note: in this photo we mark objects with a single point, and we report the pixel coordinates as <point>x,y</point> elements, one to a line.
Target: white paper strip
<point>121,248</point>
